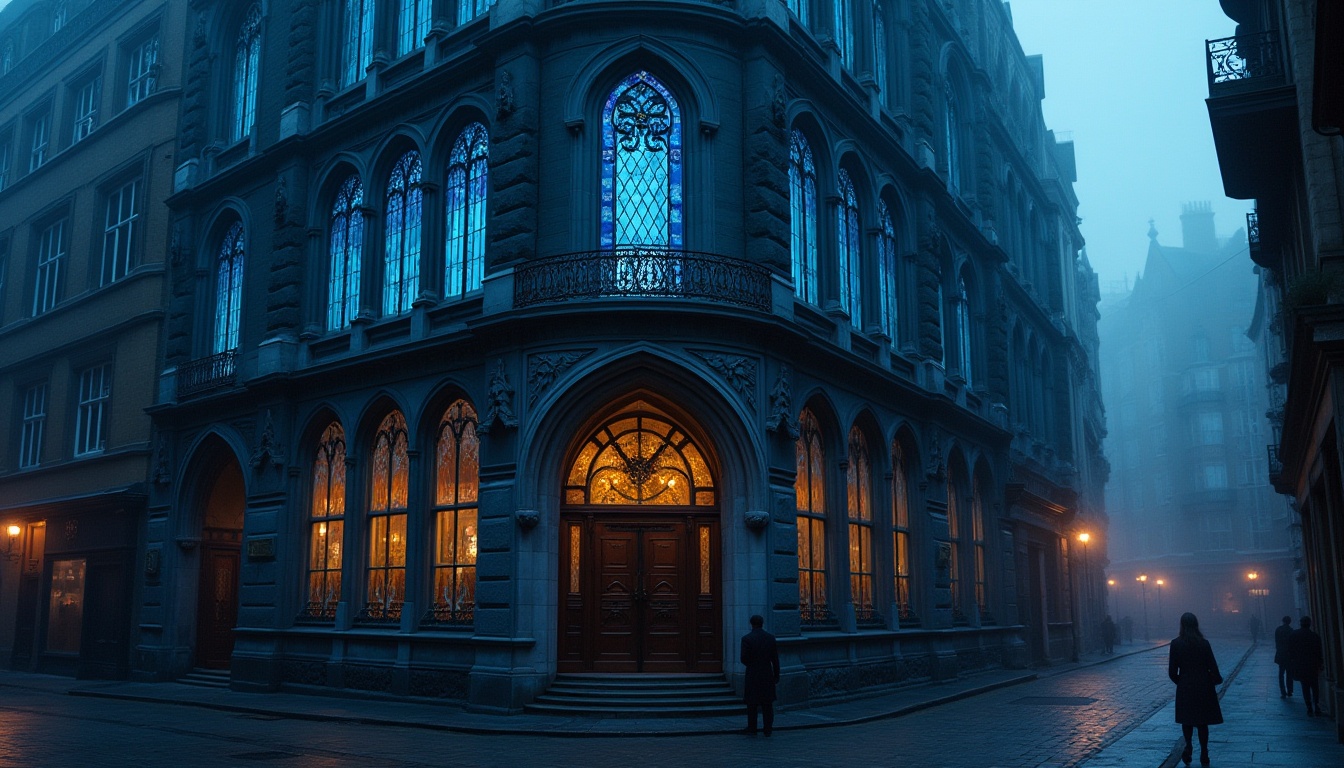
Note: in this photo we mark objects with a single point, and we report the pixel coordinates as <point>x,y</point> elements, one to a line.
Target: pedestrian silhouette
<point>1305,657</point>
<point>1254,624</point>
<point>1282,656</point>
<point>1193,669</point>
<point>1108,631</point>
<point>761,658</point>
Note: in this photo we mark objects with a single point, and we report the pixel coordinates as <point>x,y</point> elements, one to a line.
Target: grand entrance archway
<point>639,550</point>
<point>217,595</point>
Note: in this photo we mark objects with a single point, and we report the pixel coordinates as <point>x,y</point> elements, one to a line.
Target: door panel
<point>617,562</point>
<point>217,612</point>
<point>662,599</point>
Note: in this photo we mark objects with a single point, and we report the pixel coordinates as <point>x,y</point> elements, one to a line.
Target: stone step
<point>206,678</point>
<point>686,711</point>
<point>638,695</point>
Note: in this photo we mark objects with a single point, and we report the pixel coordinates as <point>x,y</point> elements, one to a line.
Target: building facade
<point>88,117</point>
<point>514,339</point>
<point>1275,95</point>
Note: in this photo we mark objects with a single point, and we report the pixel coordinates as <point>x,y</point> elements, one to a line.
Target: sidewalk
<point>1259,727</point>
<point>410,714</point>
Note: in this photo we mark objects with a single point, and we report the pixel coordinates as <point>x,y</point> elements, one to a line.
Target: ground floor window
<point>65,613</point>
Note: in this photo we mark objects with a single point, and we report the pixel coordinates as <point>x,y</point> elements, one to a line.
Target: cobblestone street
<point>1060,719</point>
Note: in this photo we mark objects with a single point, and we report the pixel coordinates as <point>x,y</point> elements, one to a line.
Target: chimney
<point>1197,227</point>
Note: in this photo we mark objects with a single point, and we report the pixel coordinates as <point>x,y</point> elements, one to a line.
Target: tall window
<point>246,64</point>
<point>880,52</point>
<point>401,249</point>
<point>119,232</point>
<point>951,141</point>
<point>326,525</point>
<point>954,541</point>
<point>229,289</point>
<point>40,146</point>
<point>457,469</point>
<point>900,532</point>
<point>7,57</point>
<point>641,165</point>
<point>844,32</point>
<point>86,108</point>
<point>888,265</point>
<point>386,582</point>
<point>60,14</point>
<point>346,253</point>
<point>412,25</point>
<point>964,331</point>
<point>5,150</point>
<point>95,388</point>
<point>978,543</point>
<point>34,425</point>
<point>849,236</point>
<point>470,9</point>
<point>356,40</point>
<point>50,275</point>
<point>942,326</point>
<point>859,477</point>
<point>803,217</point>
<point>468,166</point>
<point>799,8</point>
<point>142,70</point>
<point>810,491</point>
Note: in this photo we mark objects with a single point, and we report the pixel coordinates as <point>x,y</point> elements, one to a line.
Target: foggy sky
<point>1128,79</point>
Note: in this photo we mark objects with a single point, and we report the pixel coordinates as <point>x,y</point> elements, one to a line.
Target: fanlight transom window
<point>640,457</point>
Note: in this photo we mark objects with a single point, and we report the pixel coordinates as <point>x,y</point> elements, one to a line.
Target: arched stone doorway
<point>222,504</point>
<point>639,583</point>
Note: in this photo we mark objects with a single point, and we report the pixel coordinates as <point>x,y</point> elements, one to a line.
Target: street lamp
<point>1143,585</point>
<point>13,532</point>
<point>1085,537</point>
<point>1159,601</point>
<point>1259,592</point>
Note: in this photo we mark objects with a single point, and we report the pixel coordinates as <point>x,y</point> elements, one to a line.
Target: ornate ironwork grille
<point>648,272</point>
<point>205,374</point>
<point>1234,60</point>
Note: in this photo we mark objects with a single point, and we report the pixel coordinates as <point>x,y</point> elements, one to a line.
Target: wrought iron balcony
<point>1245,62</point>
<point>206,373</point>
<point>1275,466</point>
<point>1253,234</point>
<point>651,272</point>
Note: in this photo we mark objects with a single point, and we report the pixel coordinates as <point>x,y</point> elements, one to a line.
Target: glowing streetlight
<point>1085,537</point>
<point>1159,582</point>
<point>1143,585</point>
<point>1260,592</point>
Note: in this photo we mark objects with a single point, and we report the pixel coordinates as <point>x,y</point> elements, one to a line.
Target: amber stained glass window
<point>640,457</point>
<point>386,575</point>
<point>326,525</point>
<point>859,476</point>
<point>809,488</point>
<point>457,469</point>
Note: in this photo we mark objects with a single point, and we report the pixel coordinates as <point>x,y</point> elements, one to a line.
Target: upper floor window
<point>803,217</point>
<point>964,331</point>
<point>951,139</point>
<point>412,25</point>
<point>347,249</point>
<point>470,9</point>
<point>466,188</point>
<point>859,497</point>
<point>888,265</point>
<point>119,227</point>
<point>356,40</point>
<point>326,525</point>
<point>39,132</point>
<point>943,328</point>
<point>849,236</point>
<point>881,52</point>
<point>4,276</point>
<point>641,165</point>
<point>95,389</point>
<point>34,427</point>
<point>7,56</point>
<point>229,289</point>
<point>809,487</point>
<point>142,70</point>
<point>401,253</point>
<point>246,63</point>
<point>844,31</point>
<point>6,149</point>
<point>457,469</point>
<point>49,280</point>
<point>87,98</point>
<point>799,8</point>
<point>385,586</point>
<point>60,14</point>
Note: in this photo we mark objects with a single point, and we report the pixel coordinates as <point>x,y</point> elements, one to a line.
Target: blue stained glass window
<point>942,326</point>
<point>641,165</point>
<point>412,25</point>
<point>470,9</point>
<point>964,330</point>
<point>888,266</point>
<point>229,289</point>
<point>803,217</point>
<point>844,32</point>
<point>799,8</point>
<point>850,237</point>
<point>347,247</point>
<point>880,52</point>
<point>951,142</point>
<point>401,252</point>
<point>467,184</point>
<point>246,60</point>
<point>356,40</point>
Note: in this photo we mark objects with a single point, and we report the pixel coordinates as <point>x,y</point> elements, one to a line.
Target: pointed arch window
<point>346,252</point>
<point>900,534</point>
<point>385,583</point>
<point>844,32</point>
<point>326,525</point>
<point>356,40</point>
<point>954,544</point>
<point>229,288</point>
<point>964,331</point>
<point>951,139</point>
<point>888,266</point>
<point>803,217</point>
<point>809,488</point>
<point>466,188</point>
<point>401,229</point>
<point>978,545</point>
<point>457,463</point>
<point>859,496</point>
<point>640,457</point>
<point>246,63</point>
<point>849,236</point>
<point>412,25</point>
<point>641,165</point>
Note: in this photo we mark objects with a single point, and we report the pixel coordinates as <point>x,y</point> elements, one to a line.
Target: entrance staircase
<point>206,678</point>
<point>638,695</point>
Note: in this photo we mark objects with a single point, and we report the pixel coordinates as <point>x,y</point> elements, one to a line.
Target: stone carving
<point>500,402</point>
<point>779,102</point>
<point>281,203</point>
<point>544,370</point>
<point>163,473</point>
<point>504,105</point>
<point>936,467</point>
<point>528,518</point>
<point>756,519</point>
<point>781,407</point>
<point>740,373</point>
<point>268,452</point>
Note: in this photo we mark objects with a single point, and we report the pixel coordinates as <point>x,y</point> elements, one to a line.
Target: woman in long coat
<point>1195,672</point>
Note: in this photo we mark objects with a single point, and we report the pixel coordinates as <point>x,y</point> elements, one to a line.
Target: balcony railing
<point>642,272</point>
<point>1275,466</point>
<point>1245,61</point>
<point>206,373</point>
<point>1253,233</point>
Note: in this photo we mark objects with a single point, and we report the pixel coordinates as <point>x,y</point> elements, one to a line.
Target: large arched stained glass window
<point>641,165</point>
<point>229,289</point>
<point>888,266</point>
<point>356,39</point>
<point>246,61</point>
<point>385,587</point>
<point>900,533</point>
<point>640,457</point>
<point>859,500</point>
<point>412,25</point>
<point>803,217</point>
<point>466,187</point>
<point>954,530</point>
<point>457,471</point>
<point>346,251</point>
<point>809,488</point>
<point>849,238</point>
<point>326,525</point>
<point>401,228</point>
<point>964,331</point>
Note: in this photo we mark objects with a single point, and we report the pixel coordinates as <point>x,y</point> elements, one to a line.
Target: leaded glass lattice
<point>385,588</point>
<point>346,251</point>
<point>412,25</point>
<point>246,61</point>
<point>640,456</point>
<point>356,40</point>
<point>466,188</point>
<point>900,527</point>
<point>810,490</point>
<point>849,240</point>
<point>888,265</point>
<point>457,472</point>
<point>803,217</point>
<point>326,525</point>
<point>401,228</point>
<point>470,9</point>
<point>229,289</point>
<point>641,165</point>
<point>859,499</point>
<point>844,32</point>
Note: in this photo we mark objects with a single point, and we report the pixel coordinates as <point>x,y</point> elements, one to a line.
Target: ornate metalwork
<point>1245,57</point>
<point>1275,464</point>
<point>1253,233</point>
<point>643,272</point>
<point>206,373</point>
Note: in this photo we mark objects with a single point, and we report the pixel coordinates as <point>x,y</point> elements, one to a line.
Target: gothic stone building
<point>516,339</point>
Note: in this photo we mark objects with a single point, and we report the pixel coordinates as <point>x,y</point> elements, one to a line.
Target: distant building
<point>1189,495</point>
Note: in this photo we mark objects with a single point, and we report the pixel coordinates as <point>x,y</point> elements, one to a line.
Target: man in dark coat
<point>1108,631</point>
<point>762,661</point>
<point>1281,657</point>
<point>1306,659</point>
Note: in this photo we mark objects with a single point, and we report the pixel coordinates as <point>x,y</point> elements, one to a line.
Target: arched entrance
<point>639,550</point>
<point>221,537</point>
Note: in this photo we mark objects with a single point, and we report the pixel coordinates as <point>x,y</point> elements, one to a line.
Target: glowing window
<point>466,188</point>
<point>229,289</point>
<point>888,264</point>
<point>640,457</point>
<point>803,217</point>
<point>346,251</point>
<point>641,165</point>
<point>385,586</point>
<point>457,469</point>
<point>326,525</point>
<point>246,61</point>
<point>401,228</point>
<point>859,497</point>
<point>356,40</point>
<point>849,237</point>
<point>809,487</point>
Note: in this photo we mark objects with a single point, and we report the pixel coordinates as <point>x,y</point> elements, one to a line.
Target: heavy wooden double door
<point>640,592</point>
